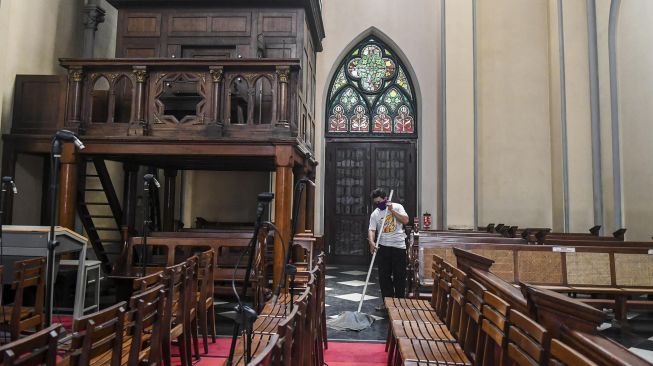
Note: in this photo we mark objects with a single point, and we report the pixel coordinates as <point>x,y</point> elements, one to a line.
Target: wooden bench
<point>170,248</point>
<point>615,274</point>
<point>565,319</point>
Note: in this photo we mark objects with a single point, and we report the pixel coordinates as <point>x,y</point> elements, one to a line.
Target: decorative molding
<point>141,75</point>
<point>76,75</point>
<point>283,75</point>
<point>216,75</point>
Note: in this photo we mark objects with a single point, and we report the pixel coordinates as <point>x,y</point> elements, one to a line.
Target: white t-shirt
<point>393,231</point>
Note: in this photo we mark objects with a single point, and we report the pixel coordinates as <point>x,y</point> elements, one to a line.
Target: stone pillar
<point>169,199</point>
<point>68,186</point>
<point>282,206</point>
<point>93,15</point>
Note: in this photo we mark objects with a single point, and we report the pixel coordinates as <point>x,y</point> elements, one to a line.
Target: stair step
<point>94,190</point>
<point>97,203</point>
<point>101,216</point>
<point>106,229</point>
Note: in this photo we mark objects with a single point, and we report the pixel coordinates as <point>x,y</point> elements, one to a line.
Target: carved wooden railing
<point>185,98</point>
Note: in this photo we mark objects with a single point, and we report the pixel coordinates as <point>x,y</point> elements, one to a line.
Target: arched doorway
<point>371,141</point>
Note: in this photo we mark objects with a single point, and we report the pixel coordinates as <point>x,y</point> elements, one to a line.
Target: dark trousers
<point>392,271</point>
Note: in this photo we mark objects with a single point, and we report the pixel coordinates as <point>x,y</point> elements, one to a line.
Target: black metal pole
<point>52,242</point>
<point>146,225</point>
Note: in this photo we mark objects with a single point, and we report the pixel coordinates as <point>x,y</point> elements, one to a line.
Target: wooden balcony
<point>189,99</point>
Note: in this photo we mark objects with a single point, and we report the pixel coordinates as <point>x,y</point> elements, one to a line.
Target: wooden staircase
<point>100,212</point>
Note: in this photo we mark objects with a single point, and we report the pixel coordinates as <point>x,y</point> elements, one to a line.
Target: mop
<point>355,320</point>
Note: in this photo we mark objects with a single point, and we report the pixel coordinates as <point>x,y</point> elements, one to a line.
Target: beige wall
<point>223,196</point>
<point>513,113</point>
<point>634,60</point>
<point>413,26</point>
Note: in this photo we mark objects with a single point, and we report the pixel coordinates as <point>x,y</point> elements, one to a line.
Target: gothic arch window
<point>371,94</point>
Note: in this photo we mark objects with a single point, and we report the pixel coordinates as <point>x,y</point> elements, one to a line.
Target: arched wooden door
<point>371,142</point>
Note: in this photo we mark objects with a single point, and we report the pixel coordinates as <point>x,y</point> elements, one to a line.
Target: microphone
<point>10,180</point>
<point>149,178</point>
<point>306,180</point>
<point>65,135</point>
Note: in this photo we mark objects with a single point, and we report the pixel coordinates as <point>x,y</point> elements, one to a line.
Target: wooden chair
<point>455,307</point>
<point>147,312</point>
<point>175,315</point>
<point>17,317</point>
<point>205,301</point>
<point>145,283</point>
<point>527,340</point>
<point>270,354</point>
<point>472,319</point>
<point>39,348</point>
<point>494,330</point>
<point>98,338</point>
<point>561,354</point>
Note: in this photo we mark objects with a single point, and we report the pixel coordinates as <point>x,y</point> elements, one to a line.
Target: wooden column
<point>169,199</point>
<point>283,75</point>
<point>301,218</point>
<point>129,198</point>
<point>75,77</point>
<point>216,77</point>
<point>9,169</point>
<point>282,206</point>
<point>68,186</point>
<point>310,204</point>
<point>137,126</point>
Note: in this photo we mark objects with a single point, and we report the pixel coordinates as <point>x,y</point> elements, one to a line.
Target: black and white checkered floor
<point>344,285</point>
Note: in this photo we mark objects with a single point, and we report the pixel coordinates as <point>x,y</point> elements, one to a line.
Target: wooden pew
<point>564,318</point>
<point>615,274</point>
<point>175,247</point>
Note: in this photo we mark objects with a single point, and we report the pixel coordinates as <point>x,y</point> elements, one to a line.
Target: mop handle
<point>376,246</point>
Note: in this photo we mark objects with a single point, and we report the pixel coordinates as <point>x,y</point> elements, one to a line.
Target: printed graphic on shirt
<point>390,223</point>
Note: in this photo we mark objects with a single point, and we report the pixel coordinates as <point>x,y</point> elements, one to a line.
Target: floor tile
<point>354,283</point>
<point>355,297</point>
<point>329,277</point>
<point>354,273</point>
<point>645,354</point>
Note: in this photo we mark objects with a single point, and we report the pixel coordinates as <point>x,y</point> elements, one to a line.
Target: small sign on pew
<point>564,249</point>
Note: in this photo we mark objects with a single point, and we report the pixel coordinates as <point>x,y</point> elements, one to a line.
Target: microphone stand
<point>245,315</point>
<point>146,225</point>
<point>2,219</point>
<point>288,268</point>
<point>52,241</point>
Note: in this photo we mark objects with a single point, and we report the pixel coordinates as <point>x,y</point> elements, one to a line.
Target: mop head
<point>350,320</point>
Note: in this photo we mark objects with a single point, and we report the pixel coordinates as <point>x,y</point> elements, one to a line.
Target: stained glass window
<point>371,94</point>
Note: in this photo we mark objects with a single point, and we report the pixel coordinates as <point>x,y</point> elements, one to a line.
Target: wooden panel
<point>426,262</point>
<point>504,264</point>
<point>142,25</point>
<point>634,269</point>
<point>588,269</point>
<point>540,267</point>
<point>188,24</point>
<point>238,24</point>
<point>39,103</point>
<point>279,24</point>
<point>136,52</point>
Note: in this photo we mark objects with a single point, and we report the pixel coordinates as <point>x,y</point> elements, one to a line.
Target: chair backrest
<point>29,274</point>
<point>99,335</point>
<point>494,329</point>
<point>444,288</point>
<point>561,354</point>
<point>456,302</point>
<point>206,264</point>
<point>37,349</point>
<point>145,283</point>
<point>436,267</point>
<point>175,283</point>
<point>472,319</point>
<point>269,354</point>
<point>527,340</point>
<point>287,330</point>
<point>147,310</point>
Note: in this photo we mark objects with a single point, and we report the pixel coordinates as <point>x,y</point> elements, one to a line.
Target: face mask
<point>381,205</point>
